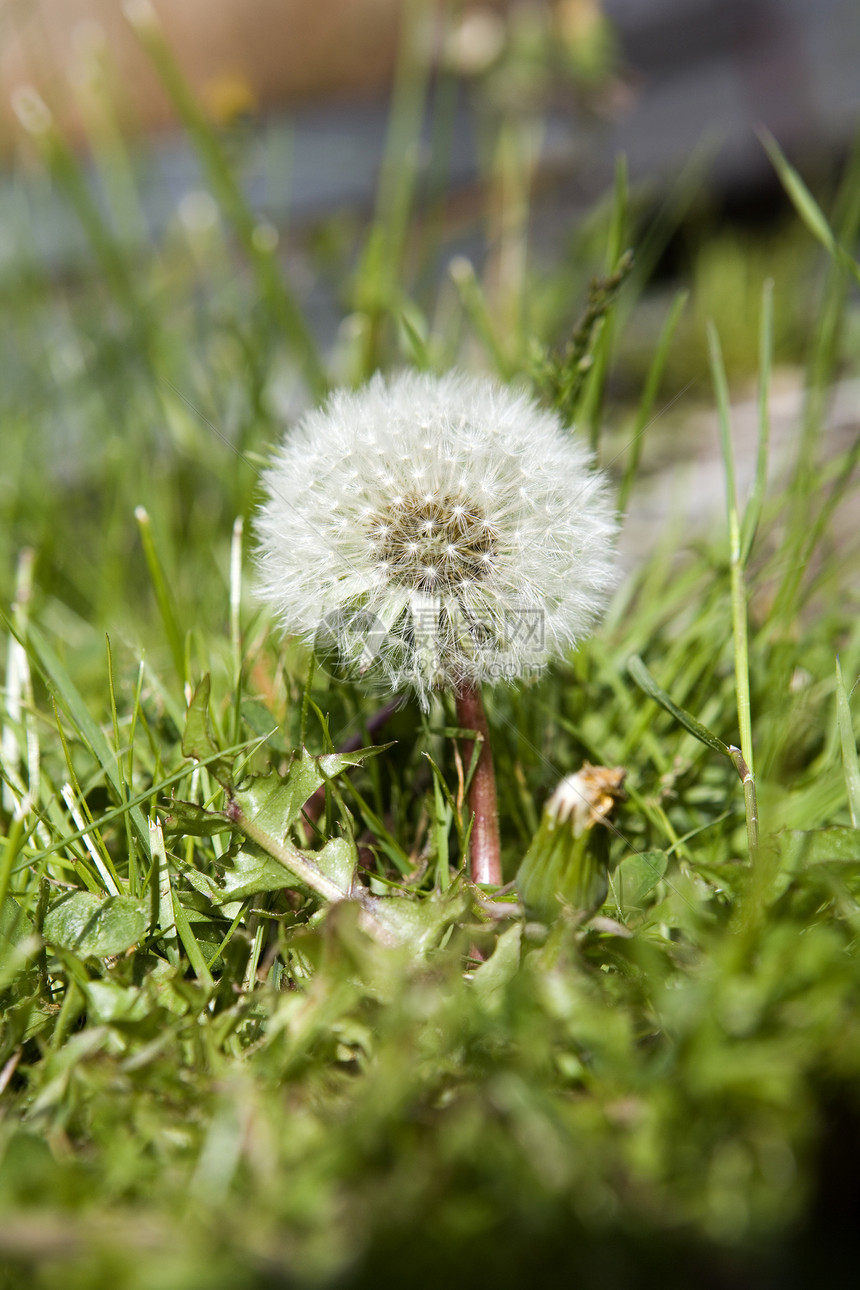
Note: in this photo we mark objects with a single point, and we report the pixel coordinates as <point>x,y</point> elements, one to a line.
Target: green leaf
<point>110,1003</point>
<point>820,846</point>
<point>298,866</point>
<point>14,924</point>
<point>636,877</point>
<point>192,820</point>
<point>261,721</point>
<point>250,872</point>
<point>420,924</point>
<point>501,967</point>
<point>93,928</point>
<point>197,739</point>
<point>338,860</point>
<point>273,803</point>
<point>18,942</point>
<point>332,764</point>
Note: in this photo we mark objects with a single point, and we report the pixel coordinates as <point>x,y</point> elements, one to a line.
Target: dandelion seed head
<point>480,545</point>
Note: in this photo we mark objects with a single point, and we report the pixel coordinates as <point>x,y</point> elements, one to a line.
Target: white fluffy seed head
<point>477,545</point>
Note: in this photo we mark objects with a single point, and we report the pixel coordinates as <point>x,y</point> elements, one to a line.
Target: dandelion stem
<point>486,862</point>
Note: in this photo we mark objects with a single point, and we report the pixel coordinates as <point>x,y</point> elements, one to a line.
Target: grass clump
<point>257,1027</point>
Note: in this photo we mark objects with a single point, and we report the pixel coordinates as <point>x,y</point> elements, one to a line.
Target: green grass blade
<point>147,795</point>
<point>161,893</point>
<point>477,311</point>
<point>822,364</point>
<point>739,595</point>
<point>186,935</point>
<point>649,395</point>
<point>743,757</point>
<point>378,286</point>
<point>803,201</point>
<point>133,876</point>
<point>752,514</point>
<point>618,223</point>
<point>721,389</point>
<point>163,597</point>
<point>67,173</point>
<point>228,193</point>
<point>69,697</point>
<point>92,840</point>
<point>590,412</point>
<point>850,763</point>
<point>10,852</point>
<point>643,678</point>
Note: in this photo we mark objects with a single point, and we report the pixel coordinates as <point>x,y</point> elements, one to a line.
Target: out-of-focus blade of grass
<point>135,714</point>
<point>13,840</point>
<point>845,476</point>
<point>133,875</point>
<point>649,395</point>
<point>740,629</point>
<point>236,623</point>
<point>475,307</point>
<point>590,411</point>
<point>807,517</point>
<point>721,389</point>
<point>803,201</point>
<point>64,168</point>
<point>617,238</point>
<point>662,226</point>
<point>436,178</point>
<point>260,250</point>
<point>378,283</point>
<point>92,83</point>
<point>19,736</point>
<point>806,206</point>
<point>414,332</point>
<point>505,273</point>
<point>163,595</point>
<point>752,513</point>
<point>850,764</point>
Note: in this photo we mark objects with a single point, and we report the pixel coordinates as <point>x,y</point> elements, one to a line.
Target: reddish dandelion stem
<point>486,863</point>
